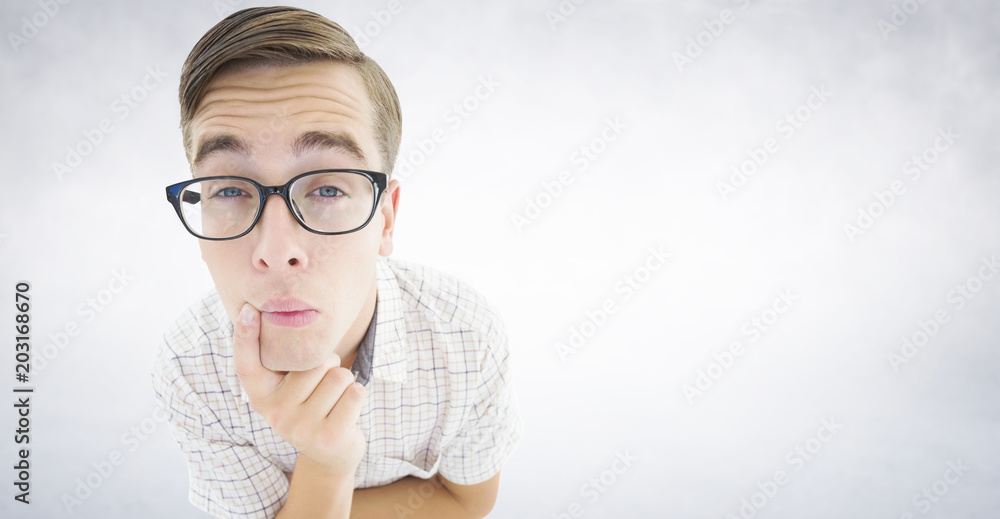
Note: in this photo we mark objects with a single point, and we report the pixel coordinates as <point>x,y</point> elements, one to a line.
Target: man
<point>319,378</point>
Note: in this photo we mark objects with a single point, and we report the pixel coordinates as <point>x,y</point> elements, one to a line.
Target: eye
<point>327,192</point>
<point>229,192</point>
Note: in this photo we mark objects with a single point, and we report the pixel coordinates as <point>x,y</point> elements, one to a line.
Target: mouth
<point>288,312</point>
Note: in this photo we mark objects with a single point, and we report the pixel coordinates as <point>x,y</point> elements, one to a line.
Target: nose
<point>278,238</point>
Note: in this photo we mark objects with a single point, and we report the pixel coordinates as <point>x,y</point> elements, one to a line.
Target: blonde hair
<point>262,36</point>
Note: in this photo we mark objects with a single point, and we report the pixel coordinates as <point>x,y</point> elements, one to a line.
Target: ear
<point>390,205</point>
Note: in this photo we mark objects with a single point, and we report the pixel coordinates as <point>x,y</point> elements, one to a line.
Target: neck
<point>348,348</point>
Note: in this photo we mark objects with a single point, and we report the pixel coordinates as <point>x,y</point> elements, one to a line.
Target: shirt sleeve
<point>492,426</point>
<point>228,477</point>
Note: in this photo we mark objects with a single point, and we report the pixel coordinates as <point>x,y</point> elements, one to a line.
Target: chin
<point>290,349</point>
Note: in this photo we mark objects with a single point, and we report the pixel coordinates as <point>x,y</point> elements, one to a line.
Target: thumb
<point>254,377</point>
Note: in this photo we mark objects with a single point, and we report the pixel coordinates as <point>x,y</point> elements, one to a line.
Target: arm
<point>313,493</point>
<point>316,411</point>
<point>432,498</point>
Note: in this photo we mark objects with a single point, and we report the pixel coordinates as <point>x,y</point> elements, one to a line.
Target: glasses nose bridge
<point>274,190</point>
<point>283,192</point>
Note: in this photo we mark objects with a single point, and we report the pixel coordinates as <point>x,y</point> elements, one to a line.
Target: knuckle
<point>339,376</point>
<point>355,391</point>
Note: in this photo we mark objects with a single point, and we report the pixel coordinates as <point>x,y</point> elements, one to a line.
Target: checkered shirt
<point>440,398</point>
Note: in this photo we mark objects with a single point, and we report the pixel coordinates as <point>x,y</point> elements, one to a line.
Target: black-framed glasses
<point>325,201</point>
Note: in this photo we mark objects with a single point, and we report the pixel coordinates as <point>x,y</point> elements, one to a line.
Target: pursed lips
<point>292,313</point>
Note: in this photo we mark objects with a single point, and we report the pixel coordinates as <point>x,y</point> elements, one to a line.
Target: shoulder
<point>445,300</point>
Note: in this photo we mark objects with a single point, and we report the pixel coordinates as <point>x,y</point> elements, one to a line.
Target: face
<point>316,293</point>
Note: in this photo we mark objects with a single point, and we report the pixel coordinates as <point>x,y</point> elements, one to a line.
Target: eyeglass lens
<point>324,202</point>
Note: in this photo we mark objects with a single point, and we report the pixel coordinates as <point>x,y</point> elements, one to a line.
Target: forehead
<point>268,107</point>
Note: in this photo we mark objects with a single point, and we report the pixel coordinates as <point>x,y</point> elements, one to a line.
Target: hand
<point>316,410</point>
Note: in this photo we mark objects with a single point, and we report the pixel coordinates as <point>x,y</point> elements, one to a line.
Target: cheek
<point>223,260</point>
<point>349,264</point>
<point>218,255</point>
<point>347,252</point>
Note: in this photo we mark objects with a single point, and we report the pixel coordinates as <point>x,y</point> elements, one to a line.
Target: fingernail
<point>246,315</point>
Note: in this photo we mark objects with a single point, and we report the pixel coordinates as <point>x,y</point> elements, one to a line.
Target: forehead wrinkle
<point>206,112</point>
<point>279,113</point>
<point>206,101</point>
<point>330,81</point>
<point>321,93</point>
<point>262,90</point>
<point>211,123</point>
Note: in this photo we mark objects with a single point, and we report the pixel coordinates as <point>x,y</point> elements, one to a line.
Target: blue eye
<point>328,191</point>
<point>230,192</point>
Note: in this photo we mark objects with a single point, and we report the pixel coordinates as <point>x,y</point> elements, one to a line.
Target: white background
<point>655,185</point>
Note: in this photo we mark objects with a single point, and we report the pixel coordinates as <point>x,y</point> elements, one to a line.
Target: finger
<point>255,378</point>
<point>347,410</point>
<point>298,385</point>
<point>328,391</point>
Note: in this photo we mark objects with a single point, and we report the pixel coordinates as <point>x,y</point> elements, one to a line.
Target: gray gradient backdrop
<point>627,387</point>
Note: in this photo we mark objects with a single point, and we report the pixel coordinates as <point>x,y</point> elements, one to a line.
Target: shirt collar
<point>362,366</point>
<point>389,358</point>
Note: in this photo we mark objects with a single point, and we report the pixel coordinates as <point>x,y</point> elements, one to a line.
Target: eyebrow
<point>222,143</point>
<point>311,140</point>
<point>324,140</point>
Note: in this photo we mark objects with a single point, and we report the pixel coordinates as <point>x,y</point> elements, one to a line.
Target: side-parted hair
<point>262,36</point>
